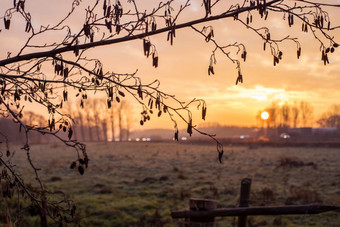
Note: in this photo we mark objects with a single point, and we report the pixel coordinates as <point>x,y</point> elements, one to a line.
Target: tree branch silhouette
<point>27,76</point>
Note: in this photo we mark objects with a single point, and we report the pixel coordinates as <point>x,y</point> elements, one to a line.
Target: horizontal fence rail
<point>204,211</point>
<point>269,210</point>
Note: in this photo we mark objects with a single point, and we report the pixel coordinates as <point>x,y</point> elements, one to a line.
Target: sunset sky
<point>183,67</point>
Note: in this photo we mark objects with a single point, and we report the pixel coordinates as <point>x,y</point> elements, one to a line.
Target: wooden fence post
<point>202,205</point>
<point>244,200</point>
<point>203,211</point>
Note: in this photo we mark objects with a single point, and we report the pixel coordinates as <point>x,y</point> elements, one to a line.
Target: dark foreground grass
<point>138,184</point>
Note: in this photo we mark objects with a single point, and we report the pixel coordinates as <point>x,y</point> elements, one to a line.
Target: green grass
<point>128,184</point>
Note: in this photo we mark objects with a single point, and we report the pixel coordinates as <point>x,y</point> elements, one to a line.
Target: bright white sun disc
<point>264,115</point>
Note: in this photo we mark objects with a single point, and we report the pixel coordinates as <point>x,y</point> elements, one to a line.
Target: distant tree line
<point>15,133</point>
<point>100,122</point>
<point>298,114</point>
<point>295,114</point>
<point>96,122</point>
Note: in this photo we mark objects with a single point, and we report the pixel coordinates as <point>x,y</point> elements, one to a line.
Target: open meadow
<point>139,183</point>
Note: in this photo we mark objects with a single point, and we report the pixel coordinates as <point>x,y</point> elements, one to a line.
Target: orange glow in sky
<point>183,67</point>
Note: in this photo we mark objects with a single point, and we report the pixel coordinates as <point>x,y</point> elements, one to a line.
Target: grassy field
<point>138,184</point>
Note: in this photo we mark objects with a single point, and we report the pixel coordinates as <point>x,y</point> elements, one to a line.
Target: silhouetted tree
<point>274,115</point>
<point>306,113</point>
<point>89,124</point>
<point>112,124</point>
<point>285,111</point>
<point>124,116</point>
<point>295,114</point>
<point>81,123</point>
<point>26,74</point>
<point>331,118</point>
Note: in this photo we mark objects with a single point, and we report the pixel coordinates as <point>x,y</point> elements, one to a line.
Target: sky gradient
<point>183,67</point>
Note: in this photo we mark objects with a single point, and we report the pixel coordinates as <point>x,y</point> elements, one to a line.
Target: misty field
<point>138,184</point>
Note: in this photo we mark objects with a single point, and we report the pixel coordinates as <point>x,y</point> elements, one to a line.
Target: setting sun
<point>264,115</point>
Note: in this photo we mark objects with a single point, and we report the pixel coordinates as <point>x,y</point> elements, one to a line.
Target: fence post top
<point>246,181</point>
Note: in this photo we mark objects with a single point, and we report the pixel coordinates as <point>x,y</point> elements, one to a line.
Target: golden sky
<point>183,67</point>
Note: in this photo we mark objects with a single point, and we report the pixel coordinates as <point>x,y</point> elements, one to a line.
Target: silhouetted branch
<point>54,52</point>
<point>28,74</point>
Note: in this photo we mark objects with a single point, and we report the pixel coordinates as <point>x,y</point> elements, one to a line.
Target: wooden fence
<point>203,211</point>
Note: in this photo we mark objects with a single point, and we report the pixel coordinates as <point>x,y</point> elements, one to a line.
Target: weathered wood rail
<point>256,210</point>
<point>202,211</point>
